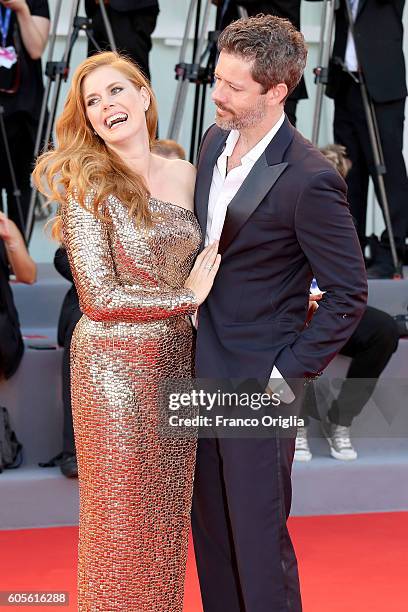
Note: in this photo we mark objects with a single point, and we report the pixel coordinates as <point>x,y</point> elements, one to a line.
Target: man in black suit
<point>280,213</point>
<point>378,42</point>
<point>287,9</point>
<point>132,23</point>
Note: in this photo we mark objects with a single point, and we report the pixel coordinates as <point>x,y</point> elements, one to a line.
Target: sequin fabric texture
<point>135,485</point>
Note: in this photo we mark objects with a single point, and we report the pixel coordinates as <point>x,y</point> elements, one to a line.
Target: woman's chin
<point>118,137</point>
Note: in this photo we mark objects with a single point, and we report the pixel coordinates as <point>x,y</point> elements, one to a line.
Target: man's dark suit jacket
<point>379,38</point>
<point>288,222</point>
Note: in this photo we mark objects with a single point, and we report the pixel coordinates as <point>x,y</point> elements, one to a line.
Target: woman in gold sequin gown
<point>132,257</point>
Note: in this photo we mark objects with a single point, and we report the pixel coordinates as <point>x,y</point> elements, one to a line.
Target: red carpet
<point>356,563</point>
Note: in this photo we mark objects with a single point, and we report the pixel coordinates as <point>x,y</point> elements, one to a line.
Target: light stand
<point>321,73</point>
<point>200,71</point>
<point>322,70</point>
<point>16,190</point>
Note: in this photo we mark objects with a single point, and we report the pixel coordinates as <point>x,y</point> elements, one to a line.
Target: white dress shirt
<point>223,188</point>
<point>350,59</point>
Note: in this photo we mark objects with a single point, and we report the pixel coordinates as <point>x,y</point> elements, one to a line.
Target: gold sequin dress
<point>135,485</point>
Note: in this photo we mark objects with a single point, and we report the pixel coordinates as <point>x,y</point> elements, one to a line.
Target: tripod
<point>321,79</point>
<point>190,73</point>
<point>16,190</point>
<point>57,72</point>
<point>200,71</point>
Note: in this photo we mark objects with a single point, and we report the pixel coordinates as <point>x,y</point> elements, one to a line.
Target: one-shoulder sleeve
<point>102,297</point>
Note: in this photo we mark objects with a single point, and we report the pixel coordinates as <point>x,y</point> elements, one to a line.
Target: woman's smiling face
<point>114,106</point>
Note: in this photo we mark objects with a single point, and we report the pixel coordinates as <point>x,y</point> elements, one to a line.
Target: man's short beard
<point>247,119</point>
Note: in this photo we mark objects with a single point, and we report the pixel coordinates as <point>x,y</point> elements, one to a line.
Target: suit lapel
<point>360,7</point>
<point>257,185</point>
<point>210,151</point>
<point>251,193</point>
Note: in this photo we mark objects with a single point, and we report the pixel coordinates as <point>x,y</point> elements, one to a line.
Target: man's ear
<point>277,94</point>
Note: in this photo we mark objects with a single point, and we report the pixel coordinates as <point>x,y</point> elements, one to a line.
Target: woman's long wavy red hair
<point>82,162</point>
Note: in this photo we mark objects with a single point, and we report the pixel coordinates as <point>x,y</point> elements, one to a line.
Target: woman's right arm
<point>22,265</point>
<point>102,297</point>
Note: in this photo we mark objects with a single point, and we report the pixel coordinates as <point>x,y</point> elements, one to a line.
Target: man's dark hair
<point>278,51</point>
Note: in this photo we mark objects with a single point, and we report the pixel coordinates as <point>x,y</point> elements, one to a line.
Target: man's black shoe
<point>69,466</point>
<point>380,270</point>
<point>382,265</point>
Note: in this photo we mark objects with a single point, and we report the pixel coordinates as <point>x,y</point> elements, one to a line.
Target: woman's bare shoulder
<point>180,168</point>
<point>177,179</point>
<point>186,175</point>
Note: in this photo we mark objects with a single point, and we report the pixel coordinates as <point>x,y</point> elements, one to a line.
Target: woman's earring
<point>96,133</point>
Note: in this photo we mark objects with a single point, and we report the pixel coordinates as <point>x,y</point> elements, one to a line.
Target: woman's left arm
<point>19,259</point>
<point>34,29</point>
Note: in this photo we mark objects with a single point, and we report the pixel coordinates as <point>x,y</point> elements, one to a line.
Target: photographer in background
<point>14,257</point>
<point>370,347</point>
<point>132,23</point>
<point>169,149</point>
<point>378,31</point>
<point>24,26</point>
<point>69,317</point>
